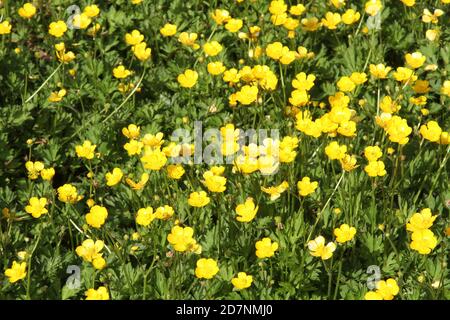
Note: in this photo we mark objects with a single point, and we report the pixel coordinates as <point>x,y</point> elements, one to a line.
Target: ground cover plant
<point>231,149</point>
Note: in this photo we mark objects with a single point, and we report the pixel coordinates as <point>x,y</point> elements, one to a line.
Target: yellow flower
<point>247,95</point>
<point>432,34</point>
<point>139,185</point>
<point>181,238</point>
<point>344,233</point>
<point>134,38</point>
<point>86,150</point>
<point>57,29</point>
<point>445,89</point>
<point>132,131</point>
<point>47,174</point>
<point>445,138</point>
<point>18,271</point>
<point>348,162</point>
<point>350,16</point>
<point>429,17</point>
<point>387,289</point>
<point>358,77</point>
<point>405,75</point>
<point>373,295</point>
<point>421,86</point>
<point>101,293</point>
<point>214,183</point>
<point>242,281</point>
<point>133,147</point>
<point>277,7</point>
<point>431,131</point>
<point>288,56</point>
<point>220,16</point>
<point>62,55</point>
<point>234,25</point>
<point>91,11</point>
<point>379,71</point>
<point>276,191</point>
<point>345,84</point>
<point>231,76</point>
<point>388,105</point>
<point>297,10</point>
<point>246,212</point>
<point>145,216</point>
<point>415,60</point>
<point>168,30</point>
<point>68,193</point>
<point>5,27</point>
<point>34,169</point>
<point>275,50</point>
<point>114,177</point>
<point>153,159</point>
<point>57,96</point>
<point>372,153</point>
<point>398,130</point>
<point>97,216</point>
<point>36,207</point>
<point>141,51</point>
<point>154,141</point>
<point>317,248</point>
<point>121,72</point>
<point>164,213</point>
<point>198,199</point>
<point>206,268</point>
<point>303,81</point>
<point>188,39</point>
<point>372,7</point>
<point>421,221</point>
<point>265,248</point>
<point>423,241</point>
<point>334,151</point>
<point>306,186</point>
<point>216,68</point>
<point>90,251</point>
<point>375,169</point>
<point>310,24</point>
<point>331,20</point>
<point>409,3</point>
<point>28,10</point>
<point>175,171</point>
<point>81,21</point>
<point>212,48</point>
<point>188,79</point>
<point>94,30</point>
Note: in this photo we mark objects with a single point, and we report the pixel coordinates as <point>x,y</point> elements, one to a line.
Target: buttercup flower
<point>344,233</point>
<point>265,248</point>
<point>206,268</point>
<point>188,79</point>
<point>37,207</point>
<point>97,216</point>
<point>86,150</point>
<point>181,238</point>
<point>18,271</point>
<point>168,30</point>
<point>242,281</point>
<point>114,177</point>
<point>317,248</point>
<point>68,194</point>
<point>306,186</point>
<point>57,29</point>
<point>27,11</point>
<point>246,211</point>
<point>145,216</point>
<point>97,294</point>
